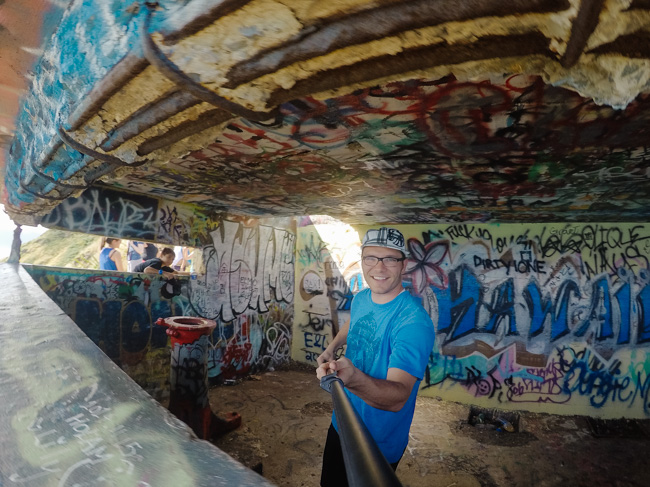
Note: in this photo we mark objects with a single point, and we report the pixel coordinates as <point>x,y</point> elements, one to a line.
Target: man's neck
<point>385,298</point>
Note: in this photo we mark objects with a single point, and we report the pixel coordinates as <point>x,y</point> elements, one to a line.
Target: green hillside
<point>59,248</point>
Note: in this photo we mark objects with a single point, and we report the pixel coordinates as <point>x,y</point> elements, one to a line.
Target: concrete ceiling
<point>402,111</point>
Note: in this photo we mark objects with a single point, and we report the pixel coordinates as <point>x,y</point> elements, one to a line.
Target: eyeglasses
<point>372,261</point>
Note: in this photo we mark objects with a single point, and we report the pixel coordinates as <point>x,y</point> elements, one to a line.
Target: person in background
<point>188,262</point>
<point>135,254</point>
<point>110,259</point>
<point>178,258</point>
<point>389,339</point>
<point>183,258</point>
<point>150,252</point>
<point>160,265</point>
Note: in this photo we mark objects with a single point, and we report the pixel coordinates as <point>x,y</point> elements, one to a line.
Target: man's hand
<point>326,356</point>
<point>389,394</point>
<point>323,361</point>
<point>323,370</point>
<point>343,368</point>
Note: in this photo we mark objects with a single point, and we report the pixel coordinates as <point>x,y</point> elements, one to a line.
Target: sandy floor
<point>286,415</point>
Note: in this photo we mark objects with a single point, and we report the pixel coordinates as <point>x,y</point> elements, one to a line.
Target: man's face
<point>385,282</point>
<point>167,259</point>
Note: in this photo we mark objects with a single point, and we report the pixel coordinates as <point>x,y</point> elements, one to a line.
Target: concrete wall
<point>118,311</point>
<point>102,211</point>
<point>245,284</point>
<point>548,317</point>
<point>360,131</point>
<point>72,417</point>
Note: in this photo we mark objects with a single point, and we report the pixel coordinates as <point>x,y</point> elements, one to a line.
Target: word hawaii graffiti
<point>536,302</point>
<point>617,317</point>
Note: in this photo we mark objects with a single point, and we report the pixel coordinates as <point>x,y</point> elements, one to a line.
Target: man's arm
<point>153,270</point>
<point>389,394</point>
<point>339,340</point>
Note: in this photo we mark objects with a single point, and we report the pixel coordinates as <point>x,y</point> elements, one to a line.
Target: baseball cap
<point>390,238</point>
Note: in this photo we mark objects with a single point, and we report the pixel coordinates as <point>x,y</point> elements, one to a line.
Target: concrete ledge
<point>70,416</point>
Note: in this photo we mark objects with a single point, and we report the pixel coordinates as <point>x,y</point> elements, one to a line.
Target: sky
<point>7,233</point>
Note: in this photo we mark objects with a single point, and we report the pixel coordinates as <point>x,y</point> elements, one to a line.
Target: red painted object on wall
<point>185,330</point>
<point>189,376</point>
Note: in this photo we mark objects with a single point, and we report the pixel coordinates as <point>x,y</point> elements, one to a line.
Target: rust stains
<point>339,32</point>
<point>205,121</point>
<point>416,58</point>
<point>635,45</point>
<point>582,28</point>
<point>199,19</point>
<point>128,68</point>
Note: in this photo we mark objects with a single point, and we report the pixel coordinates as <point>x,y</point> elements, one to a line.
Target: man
<point>389,339</point>
<point>160,265</point>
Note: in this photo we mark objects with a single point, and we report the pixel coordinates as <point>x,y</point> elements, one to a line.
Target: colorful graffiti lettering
<point>537,316</point>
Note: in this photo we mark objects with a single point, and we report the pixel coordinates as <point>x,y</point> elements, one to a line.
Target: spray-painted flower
<point>423,264</point>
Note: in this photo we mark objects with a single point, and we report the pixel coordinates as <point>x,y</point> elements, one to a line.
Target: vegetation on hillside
<point>60,248</point>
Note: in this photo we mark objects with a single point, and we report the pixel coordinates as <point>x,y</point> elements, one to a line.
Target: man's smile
<point>385,281</point>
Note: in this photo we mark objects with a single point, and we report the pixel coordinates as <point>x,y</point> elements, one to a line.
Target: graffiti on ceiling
<point>425,151</point>
<point>401,111</point>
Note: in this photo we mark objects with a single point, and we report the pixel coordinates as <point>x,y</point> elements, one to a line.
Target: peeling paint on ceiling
<point>406,111</point>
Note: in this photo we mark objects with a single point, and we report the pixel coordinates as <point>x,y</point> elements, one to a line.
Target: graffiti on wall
<point>246,287</point>
<point>549,317</point>
<point>117,311</point>
<point>119,214</point>
<point>188,373</point>
<point>327,276</point>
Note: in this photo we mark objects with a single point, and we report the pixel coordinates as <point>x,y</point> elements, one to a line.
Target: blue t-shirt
<point>105,261</point>
<point>400,335</point>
